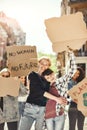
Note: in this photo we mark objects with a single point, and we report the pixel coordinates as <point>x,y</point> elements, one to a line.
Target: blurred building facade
<point>10,34</point>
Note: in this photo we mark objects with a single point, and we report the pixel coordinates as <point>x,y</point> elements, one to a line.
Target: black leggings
<point>10,125</point>
<point>75,116</point>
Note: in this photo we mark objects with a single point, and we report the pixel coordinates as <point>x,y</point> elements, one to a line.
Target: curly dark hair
<point>82,74</point>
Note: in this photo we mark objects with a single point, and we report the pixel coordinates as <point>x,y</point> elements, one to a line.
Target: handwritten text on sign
<point>22,59</point>
<point>21,52</point>
<point>78,89</point>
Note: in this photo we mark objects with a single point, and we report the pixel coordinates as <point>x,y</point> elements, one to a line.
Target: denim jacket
<point>10,112</point>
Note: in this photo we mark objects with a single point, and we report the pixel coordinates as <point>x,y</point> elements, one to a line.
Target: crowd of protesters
<point>44,99</point>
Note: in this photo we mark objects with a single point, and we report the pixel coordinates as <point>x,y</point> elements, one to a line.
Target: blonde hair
<point>4,70</point>
<point>45,58</point>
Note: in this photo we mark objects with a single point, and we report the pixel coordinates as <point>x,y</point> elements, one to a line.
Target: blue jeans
<point>56,123</point>
<point>32,113</point>
<point>21,108</point>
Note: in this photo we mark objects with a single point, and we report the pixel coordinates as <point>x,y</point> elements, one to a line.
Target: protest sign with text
<point>21,59</point>
<point>79,95</point>
<point>78,89</point>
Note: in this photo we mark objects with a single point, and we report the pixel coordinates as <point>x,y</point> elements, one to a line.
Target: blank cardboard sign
<point>68,30</point>
<point>9,86</point>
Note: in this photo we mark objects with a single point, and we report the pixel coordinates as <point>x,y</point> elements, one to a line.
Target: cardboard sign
<point>9,86</point>
<point>22,59</point>
<point>62,46</point>
<point>82,102</point>
<point>76,90</point>
<point>79,95</point>
<point>63,32</point>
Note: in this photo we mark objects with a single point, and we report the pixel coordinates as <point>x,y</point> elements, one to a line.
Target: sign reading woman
<point>21,59</point>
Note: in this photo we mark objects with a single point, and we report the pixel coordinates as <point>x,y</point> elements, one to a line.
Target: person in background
<point>36,101</point>
<point>9,111</point>
<point>74,114</point>
<point>23,93</point>
<point>55,113</point>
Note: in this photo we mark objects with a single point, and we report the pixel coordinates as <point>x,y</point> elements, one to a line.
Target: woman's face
<point>50,78</point>
<point>6,74</point>
<point>43,65</point>
<point>76,75</point>
<point>22,79</point>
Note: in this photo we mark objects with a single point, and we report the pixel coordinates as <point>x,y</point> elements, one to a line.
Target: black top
<point>38,86</point>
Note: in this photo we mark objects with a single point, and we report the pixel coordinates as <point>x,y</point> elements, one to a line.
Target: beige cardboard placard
<point>82,102</point>
<point>65,29</point>
<point>78,89</point>
<point>9,86</point>
<point>22,59</point>
<point>22,51</point>
<point>58,47</point>
<point>22,67</point>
